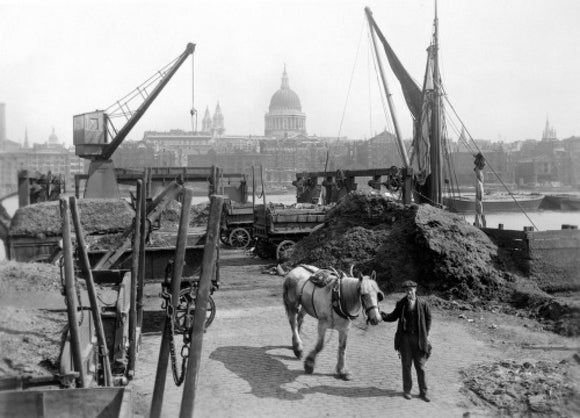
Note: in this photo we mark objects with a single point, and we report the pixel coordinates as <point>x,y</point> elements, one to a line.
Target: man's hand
<point>383,316</point>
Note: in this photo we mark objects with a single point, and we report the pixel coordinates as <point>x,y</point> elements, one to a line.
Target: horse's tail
<point>290,294</point>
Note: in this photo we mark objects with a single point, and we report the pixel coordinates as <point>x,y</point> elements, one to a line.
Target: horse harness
<point>323,277</point>
<point>337,300</point>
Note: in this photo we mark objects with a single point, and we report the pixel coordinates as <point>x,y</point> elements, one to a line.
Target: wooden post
<point>141,270</point>
<point>70,293</point>
<point>208,270</point>
<point>263,189</point>
<point>479,162</point>
<point>95,307</point>
<point>164,352</point>
<point>134,278</point>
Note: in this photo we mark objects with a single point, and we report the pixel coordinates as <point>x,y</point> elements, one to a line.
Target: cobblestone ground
<point>249,370</point>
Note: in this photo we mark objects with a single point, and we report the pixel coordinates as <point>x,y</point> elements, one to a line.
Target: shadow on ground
<point>267,375</point>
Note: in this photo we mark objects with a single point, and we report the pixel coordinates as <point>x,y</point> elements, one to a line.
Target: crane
<point>96,139</point>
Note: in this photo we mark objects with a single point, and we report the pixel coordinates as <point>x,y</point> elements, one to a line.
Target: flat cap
<point>409,283</point>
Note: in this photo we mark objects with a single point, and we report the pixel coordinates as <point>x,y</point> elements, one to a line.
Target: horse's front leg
<point>341,369</point>
<point>311,359</point>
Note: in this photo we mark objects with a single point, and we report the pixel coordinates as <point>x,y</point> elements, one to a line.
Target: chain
<point>167,305</point>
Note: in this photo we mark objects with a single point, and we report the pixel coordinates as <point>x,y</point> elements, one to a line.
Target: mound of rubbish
<point>198,215</point>
<point>38,277</point>
<point>514,388</point>
<point>439,250</point>
<point>97,216</point>
<point>30,339</point>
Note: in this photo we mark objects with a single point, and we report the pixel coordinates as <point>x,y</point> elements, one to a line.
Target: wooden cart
<point>278,228</point>
<point>237,226</point>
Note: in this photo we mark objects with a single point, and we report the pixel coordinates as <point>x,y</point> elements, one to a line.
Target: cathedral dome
<point>285,118</point>
<point>285,98</point>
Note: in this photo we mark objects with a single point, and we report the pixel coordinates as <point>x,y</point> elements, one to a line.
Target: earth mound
<point>30,339</point>
<point>96,215</point>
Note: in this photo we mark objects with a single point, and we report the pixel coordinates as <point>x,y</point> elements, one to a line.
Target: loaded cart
<point>237,226</point>
<point>277,228</point>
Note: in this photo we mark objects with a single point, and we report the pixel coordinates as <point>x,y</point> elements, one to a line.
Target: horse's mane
<point>351,294</point>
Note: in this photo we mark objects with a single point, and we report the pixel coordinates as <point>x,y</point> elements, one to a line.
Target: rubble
<point>97,216</point>
<point>198,215</point>
<point>524,388</point>
<point>30,339</point>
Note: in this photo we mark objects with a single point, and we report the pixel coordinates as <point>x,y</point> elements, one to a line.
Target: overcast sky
<point>507,65</point>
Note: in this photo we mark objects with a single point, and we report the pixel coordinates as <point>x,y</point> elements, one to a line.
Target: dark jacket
<point>423,320</point>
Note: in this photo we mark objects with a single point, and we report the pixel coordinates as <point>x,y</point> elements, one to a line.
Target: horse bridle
<point>363,297</point>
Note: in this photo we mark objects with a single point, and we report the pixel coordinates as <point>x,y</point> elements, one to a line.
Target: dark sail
<point>423,126</point>
<point>411,90</point>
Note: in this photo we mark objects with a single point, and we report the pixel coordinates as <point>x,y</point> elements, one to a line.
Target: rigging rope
<point>489,165</point>
<point>193,111</point>
<point>350,82</point>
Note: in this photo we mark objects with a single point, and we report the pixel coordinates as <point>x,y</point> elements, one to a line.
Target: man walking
<point>411,338</point>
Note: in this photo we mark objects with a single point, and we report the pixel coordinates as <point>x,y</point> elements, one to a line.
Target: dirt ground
<point>539,377</point>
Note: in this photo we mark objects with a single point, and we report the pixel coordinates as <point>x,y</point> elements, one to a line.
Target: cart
<point>237,226</point>
<point>278,228</point>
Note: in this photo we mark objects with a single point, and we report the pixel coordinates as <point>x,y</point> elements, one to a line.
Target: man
<point>411,338</point>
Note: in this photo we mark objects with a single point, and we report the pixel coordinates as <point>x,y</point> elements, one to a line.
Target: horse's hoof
<point>298,354</point>
<point>308,369</point>
<point>344,376</point>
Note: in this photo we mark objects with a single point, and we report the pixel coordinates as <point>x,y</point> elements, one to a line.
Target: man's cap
<point>409,283</point>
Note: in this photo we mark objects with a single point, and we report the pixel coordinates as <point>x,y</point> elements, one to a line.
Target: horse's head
<point>371,295</point>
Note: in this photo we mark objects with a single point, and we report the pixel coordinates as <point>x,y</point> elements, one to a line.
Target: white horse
<point>335,305</point>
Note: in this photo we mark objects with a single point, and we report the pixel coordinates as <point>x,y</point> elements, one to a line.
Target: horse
<point>335,303</point>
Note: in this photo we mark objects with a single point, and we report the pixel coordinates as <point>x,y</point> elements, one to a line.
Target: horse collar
<point>337,301</point>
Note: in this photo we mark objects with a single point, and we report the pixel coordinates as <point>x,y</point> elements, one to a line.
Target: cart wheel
<point>225,236</point>
<point>186,309</point>
<point>240,238</point>
<point>284,249</point>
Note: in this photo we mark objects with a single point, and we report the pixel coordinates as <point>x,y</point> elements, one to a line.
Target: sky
<point>507,66</point>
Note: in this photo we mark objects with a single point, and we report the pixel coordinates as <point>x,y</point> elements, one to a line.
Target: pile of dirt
<point>514,388</point>
<point>198,215</point>
<point>439,250</point>
<point>25,277</point>
<point>30,339</point>
<point>97,216</point>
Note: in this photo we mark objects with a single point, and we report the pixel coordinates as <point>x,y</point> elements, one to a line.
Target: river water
<point>543,220</point>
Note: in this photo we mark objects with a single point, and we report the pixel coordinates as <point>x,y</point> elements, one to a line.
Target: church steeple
<point>549,133</point>
<point>206,124</point>
<point>218,121</point>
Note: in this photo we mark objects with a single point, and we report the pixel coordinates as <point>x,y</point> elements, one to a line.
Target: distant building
<point>51,156</point>
<point>285,118</point>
